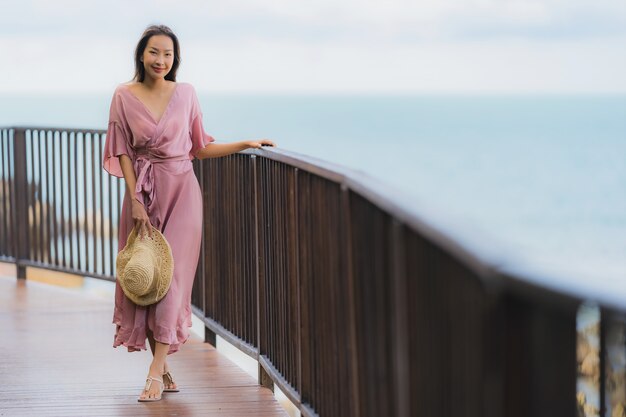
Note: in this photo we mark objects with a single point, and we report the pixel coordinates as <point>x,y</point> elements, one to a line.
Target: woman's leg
<point>166,367</point>
<point>156,369</point>
<point>151,340</point>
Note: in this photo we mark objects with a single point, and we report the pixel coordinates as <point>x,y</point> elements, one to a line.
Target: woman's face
<point>158,56</point>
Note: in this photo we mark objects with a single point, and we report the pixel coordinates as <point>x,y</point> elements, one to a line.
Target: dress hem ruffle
<point>132,338</point>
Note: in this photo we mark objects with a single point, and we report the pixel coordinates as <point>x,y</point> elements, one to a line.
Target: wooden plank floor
<point>57,359</point>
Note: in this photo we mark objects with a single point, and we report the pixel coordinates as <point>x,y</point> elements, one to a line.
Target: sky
<point>323,46</point>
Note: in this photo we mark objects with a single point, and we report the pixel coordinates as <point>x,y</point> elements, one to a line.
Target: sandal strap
<point>149,380</point>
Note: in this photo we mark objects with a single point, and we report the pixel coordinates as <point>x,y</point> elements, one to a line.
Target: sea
<point>540,178</point>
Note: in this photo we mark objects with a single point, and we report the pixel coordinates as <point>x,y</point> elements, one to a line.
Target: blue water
<point>542,176</point>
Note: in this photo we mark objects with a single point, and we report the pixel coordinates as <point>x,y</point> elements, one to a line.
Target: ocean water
<point>540,178</point>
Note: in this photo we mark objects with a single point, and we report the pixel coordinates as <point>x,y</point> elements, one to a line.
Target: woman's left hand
<point>259,143</point>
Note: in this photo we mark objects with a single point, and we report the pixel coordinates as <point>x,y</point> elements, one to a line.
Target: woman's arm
<point>138,210</point>
<point>129,173</point>
<point>214,150</point>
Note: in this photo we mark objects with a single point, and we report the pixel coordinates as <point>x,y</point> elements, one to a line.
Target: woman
<point>155,130</point>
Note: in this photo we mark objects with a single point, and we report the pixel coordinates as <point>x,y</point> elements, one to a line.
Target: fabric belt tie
<point>145,191</point>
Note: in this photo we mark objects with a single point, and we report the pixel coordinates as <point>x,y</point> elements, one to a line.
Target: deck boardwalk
<point>57,359</point>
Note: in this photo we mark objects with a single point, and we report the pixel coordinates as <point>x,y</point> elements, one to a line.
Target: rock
<point>582,348</point>
<point>580,404</point>
<point>591,365</point>
<point>583,409</point>
<point>619,411</point>
<point>592,330</point>
<point>616,386</point>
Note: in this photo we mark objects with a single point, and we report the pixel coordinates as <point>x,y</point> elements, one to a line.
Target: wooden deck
<point>57,359</point>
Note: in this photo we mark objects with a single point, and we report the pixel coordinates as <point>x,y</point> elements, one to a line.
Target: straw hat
<point>145,267</point>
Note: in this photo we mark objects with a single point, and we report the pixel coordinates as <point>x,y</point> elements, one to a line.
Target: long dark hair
<point>140,72</point>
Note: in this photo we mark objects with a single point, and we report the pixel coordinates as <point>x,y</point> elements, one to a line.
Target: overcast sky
<point>494,46</point>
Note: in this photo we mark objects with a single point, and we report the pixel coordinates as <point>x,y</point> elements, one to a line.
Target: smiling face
<point>158,56</point>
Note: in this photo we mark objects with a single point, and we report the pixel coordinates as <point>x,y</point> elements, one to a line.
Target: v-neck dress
<point>161,152</point>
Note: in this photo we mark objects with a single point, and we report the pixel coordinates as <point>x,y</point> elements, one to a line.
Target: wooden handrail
<point>354,299</point>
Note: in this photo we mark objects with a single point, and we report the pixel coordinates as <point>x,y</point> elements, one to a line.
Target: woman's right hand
<point>141,219</point>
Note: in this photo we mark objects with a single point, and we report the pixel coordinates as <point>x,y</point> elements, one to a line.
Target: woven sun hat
<point>145,267</point>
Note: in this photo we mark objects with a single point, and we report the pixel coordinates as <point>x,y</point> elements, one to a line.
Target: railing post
<point>400,325</point>
<point>603,339</point>
<point>612,355</point>
<point>210,337</point>
<point>263,377</point>
<point>346,220</point>
<point>540,358</point>
<point>20,202</point>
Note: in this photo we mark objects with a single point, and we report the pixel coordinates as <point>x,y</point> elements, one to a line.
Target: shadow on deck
<point>58,360</point>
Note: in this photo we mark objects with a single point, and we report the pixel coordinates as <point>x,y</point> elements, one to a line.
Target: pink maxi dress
<point>161,152</point>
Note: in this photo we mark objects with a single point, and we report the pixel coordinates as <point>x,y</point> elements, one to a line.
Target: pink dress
<point>161,152</point>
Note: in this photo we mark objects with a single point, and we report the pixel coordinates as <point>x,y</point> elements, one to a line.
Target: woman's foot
<point>155,388</point>
<point>169,383</point>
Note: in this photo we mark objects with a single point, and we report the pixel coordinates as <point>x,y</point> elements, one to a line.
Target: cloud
<point>366,45</point>
<point>367,20</point>
<point>66,63</point>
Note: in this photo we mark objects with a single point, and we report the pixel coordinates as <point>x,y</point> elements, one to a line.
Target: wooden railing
<point>351,299</point>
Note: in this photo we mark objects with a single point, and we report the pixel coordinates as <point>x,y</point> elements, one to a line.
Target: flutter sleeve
<point>199,138</point>
<point>117,139</point>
